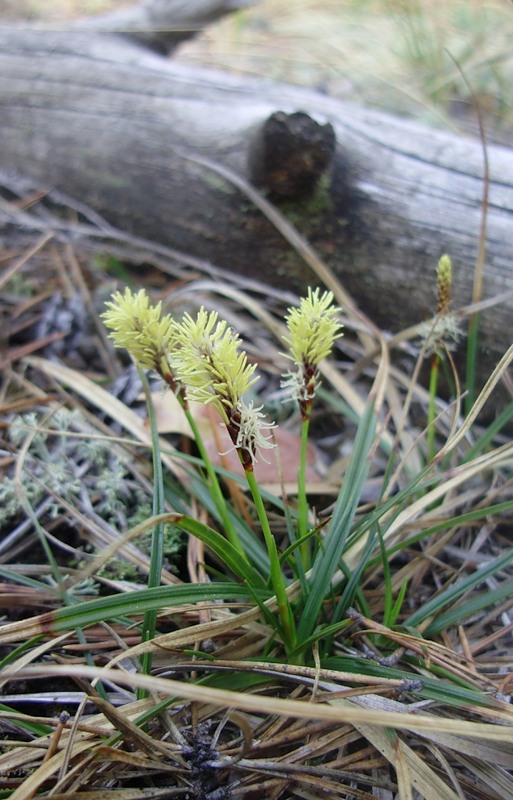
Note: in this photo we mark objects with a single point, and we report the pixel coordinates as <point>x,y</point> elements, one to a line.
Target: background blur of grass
<point>57,9</point>
<point>392,54</point>
<point>397,55</point>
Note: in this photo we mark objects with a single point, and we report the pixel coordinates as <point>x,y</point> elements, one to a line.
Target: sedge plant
<point>312,329</point>
<point>442,337</point>
<point>305,589</point>
<point>310,598</point>
<point>200,360</point>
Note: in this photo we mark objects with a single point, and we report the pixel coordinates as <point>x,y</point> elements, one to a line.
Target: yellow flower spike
<point>445,330</point>
<point>209,362</point>
<point>139,327</point>
<point>444,284</point>
<point>313,328</point>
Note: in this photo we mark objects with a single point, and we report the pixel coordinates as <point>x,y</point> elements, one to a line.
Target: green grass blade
<point>353,578</point>
<point>157,533</point>
<point>458,521</point>
<point>124,606</point>
<point>396,608</point>
<point>197,487</point>
<point>328,557</point>
<point>142,600</point>
<point>253,547</point>
<point>277,579</point>
<point>487,438</point>
<point>224,549</point>
<point>453,593</point>
<point>328,632</point>
<point>427,687</point>
<point>479,602</point>
<point>25,723</point>
<point>25,580</point>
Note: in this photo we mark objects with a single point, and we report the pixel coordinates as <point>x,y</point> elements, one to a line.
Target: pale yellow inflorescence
<point>140,328</point>
<point>313,327</point>
<point>208,361</point>
<point>203,356</point>
<point>444,332</point>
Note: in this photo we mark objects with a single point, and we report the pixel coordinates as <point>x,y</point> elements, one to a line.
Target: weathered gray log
<point>159,25</point>
<point>108,122</point>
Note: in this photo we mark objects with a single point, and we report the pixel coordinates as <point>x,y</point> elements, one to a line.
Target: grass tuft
<point>342,630</point>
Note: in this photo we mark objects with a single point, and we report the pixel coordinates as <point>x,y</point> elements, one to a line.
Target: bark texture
<point>103,119</point>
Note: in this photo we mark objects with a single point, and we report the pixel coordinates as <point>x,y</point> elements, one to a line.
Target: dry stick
<point>486,391</point>
<point>107,351</point>
<point>224,698</point>
<point>477,289</point>
<point>11,271</point>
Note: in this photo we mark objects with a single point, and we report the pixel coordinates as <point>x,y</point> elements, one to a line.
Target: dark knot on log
<point>289,153</point>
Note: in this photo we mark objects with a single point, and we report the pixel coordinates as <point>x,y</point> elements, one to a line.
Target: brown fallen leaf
<point>280,464</point>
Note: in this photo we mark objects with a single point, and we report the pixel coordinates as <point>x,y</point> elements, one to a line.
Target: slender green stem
<point>214,487</point>
<point>157,534</point>
<point>431,428</point>
<point>302,518</point>
<point>277,581</point>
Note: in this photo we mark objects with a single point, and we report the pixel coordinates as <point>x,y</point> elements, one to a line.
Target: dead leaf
<point>273,466</point>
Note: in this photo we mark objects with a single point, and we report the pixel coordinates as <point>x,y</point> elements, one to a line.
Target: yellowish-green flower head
<point>444,331</point>
<point>209,363</point>
<point>444,284</point>
<point>139,327</point>
<point>313,327</point>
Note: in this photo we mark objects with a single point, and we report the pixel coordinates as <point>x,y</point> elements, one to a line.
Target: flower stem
<point>157,534</point>
<point>433,385</point>
<point>277,581</point>
<point>214,488</point>
<point>302,520</point>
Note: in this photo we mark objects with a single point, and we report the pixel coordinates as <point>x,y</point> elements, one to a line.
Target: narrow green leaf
<point>328,557</point>
<point>25,723</point>
<point>224,549</point>
<point>486,439</point>
<point>453,593</point>
<point>157,534</point>
<point>460,520</point>
<point>352,587</point>
<point>396,610</point>
<point>422,686</point>
<point>462,611</point>
<point>142,600</point>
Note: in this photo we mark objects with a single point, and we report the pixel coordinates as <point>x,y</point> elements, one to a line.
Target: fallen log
<point>144,140</point>
<point>161,25</point>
